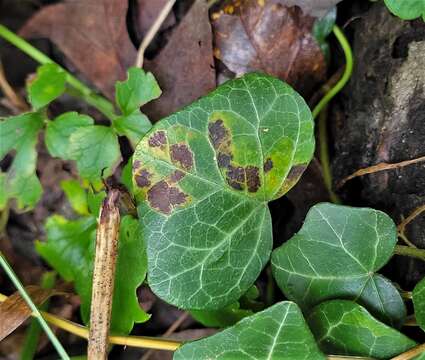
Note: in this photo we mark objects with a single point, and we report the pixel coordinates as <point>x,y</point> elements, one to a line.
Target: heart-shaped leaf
<point>278,332</point>
<point>203,177</point>
<point>407,10</point>
<point>418,297</point>
<point>345,328</point>
<point>335,255</point>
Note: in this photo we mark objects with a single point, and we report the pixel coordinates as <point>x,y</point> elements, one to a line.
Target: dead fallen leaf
<point>316,8</point>
<point>184,68</point>
<point>93,36</point>
<point>14,310</point>
<point>267,36</point>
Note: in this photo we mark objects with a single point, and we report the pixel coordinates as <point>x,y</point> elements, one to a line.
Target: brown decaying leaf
<point>316,8</point>
<point>185,67</point>
<point>14,310</point>
<point>267,36</point>
<point>93,36</point>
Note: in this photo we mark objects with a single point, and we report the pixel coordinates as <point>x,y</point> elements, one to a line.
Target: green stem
<point>320,108</point>
<point>409,251</point>
<point>97,101</point>
<point>36,313</point>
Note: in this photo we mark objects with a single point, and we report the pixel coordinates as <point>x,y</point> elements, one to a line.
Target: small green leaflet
<point>278,332</point>
<point>59,131</point>
<point>20,133</point>
<point>335,255</point>
<point>76,195</point>
<point>48,85</point>
<point>407,9</point>
<point>202,178</point>
<point>343,327</point>
<point>418,297</point>
<point>134,126</point>
<point>322,28</point>
<point>70,251</point>
<point>221,318</point>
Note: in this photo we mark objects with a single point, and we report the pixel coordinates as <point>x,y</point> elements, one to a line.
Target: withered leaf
<point>272,38</point>
<point>184,68</point>
<point>14,310</point>
<point>93,36</point>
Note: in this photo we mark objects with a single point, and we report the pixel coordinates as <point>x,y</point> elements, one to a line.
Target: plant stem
<point>410,251</point>
<point>36,313</point>
<point>97,101</point>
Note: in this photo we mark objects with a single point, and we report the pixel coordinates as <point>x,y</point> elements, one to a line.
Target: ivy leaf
<point>76,195</point>
<point>70,251</point>
<point>278,332</point>
<point>221,318</point>
<point>48,85</point>
<point>59,131</point>
<point>418,297</point>
<point>335,255</point>
<point>134,126</point>
<point>139,88</point>
<point>96,151</point>
<point>407,10</point>
<point>203,177</point>
<point>343,327</point>
<point>20,133</point>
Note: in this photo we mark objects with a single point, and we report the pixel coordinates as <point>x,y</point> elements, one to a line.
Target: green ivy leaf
<point>76,195</point>
<point>278,332</point>
<point>343,327</point>
<point>418,297</point>
<point>48,85</point>
<point>70,251</point>
<point>335,255</point>
<point>221,318</point>
<point>20,133</point>
<point>139,88</point>
<point>134,126</point>
<point>59,131</point>
<point>407,10</point>
<point>96,151</point>
<point>203,177</point>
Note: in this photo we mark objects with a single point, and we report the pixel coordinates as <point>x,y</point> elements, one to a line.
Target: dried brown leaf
<point>93,36</point>
<point>14,310</point>
<point>269,37</point>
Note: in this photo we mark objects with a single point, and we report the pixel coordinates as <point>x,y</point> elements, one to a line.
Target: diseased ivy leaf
<point>221,318</point>
<point>96,151</point>
<point>134,126</point>
<point>407,10</point>
<point>48,85</point>
<point>278,332</point>
<point>59,131</point>
<point>20,133</point>
<point>139,88</point>
<point>343,327</point>
<point>418,297</point>
<point>203,177</point>
<point>70,251</point>
<point>76,195</point>
<point>335,255</point>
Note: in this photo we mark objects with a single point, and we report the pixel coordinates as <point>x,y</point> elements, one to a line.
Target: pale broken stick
<point>104,276</point>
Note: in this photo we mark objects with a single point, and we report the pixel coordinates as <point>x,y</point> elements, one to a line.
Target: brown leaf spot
<point>164,197</point>
<point>268,165</point>
<point>252,178</point>
<point>236,177</point>
<point>181,155</point>
<point>136,164</point>
<point>224,160</point>
<point>157,139</point>
<point>176,176</point>
<point>143,178</point>
<point>217,133</point>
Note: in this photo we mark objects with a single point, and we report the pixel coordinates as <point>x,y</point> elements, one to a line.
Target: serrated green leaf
<point>407,10</point>
<point>203,177</point>
<point>76,195</point>
<point>59,131</point>
<point>278,332</point>
<point>20,133</point>
<point>134,126</point>
<point>343,327</point>
<point>96,151</point>
<point>418,297</point>
<point>335,255</point>
<point>48,85</point>
<point>139,88</point>
<point>70,251</point>
<point>221,318</point>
